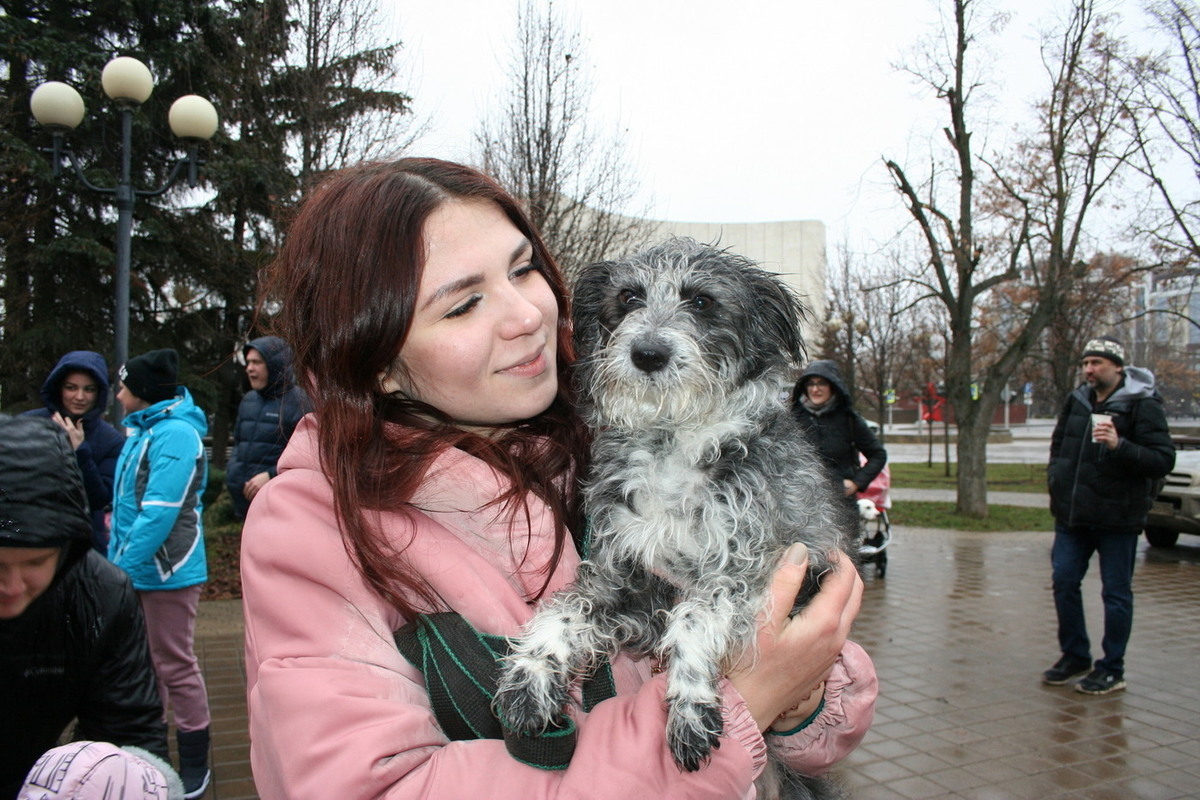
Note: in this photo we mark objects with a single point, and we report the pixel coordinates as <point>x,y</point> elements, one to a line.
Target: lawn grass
<point>1001,477</point>
<point>943,515</point>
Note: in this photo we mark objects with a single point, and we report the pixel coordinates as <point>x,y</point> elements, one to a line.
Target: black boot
<point>193,762</point>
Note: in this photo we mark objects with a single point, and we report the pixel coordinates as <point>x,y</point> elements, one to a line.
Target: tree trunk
<point>972,466</point>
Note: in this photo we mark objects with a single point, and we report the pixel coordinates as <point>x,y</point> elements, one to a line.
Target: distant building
<point>1164,330</point>
<point>795,249</point>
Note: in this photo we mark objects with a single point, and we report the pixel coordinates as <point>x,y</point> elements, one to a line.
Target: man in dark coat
<point>72,639</point>
<point>76,394</point>
<point>1109,447</point>
<point>823,407</point>
<point>268,414</point>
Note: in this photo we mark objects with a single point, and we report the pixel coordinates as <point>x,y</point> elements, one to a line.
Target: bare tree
<point>341,71</point>
<point>1024,221</point>
<point>889,366</point>
<point>871,326</point>
<point>577,187</point>
<point>1166,123</point>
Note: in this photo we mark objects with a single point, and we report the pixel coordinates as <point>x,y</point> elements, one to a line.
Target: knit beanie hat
<point>152,376</point>
<point>1105,347</point>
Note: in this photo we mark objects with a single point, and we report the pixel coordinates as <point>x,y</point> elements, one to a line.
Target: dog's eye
<point>628,297</point>
<point>702,302</point>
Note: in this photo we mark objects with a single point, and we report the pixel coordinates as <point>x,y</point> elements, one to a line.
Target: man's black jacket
<point>1091,485</point>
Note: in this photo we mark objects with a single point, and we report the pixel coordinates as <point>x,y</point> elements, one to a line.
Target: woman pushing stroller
<point>823,406</point>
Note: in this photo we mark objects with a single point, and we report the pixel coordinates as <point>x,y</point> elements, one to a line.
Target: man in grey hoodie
<point>1110,446</point>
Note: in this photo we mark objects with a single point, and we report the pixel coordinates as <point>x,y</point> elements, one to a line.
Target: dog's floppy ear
<point>778,315</point>
<point>588,306</point>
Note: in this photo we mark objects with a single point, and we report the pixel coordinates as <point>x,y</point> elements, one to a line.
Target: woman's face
<point>818,390</point>
<point>482,344</point>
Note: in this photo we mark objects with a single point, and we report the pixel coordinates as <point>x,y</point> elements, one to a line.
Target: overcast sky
<point>752,110</point>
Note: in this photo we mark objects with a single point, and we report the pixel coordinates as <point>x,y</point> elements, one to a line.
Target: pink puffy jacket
<point>335,711</point>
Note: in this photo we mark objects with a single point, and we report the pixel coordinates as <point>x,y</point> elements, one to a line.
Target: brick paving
<point>960,630</point>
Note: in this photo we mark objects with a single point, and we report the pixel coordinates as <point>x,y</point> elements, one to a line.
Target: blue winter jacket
<point>157,524</point>
<point>97,456</point>
<point>265,420</point>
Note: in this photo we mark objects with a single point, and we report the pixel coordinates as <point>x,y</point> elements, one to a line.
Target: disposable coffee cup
<point>1097,419</point>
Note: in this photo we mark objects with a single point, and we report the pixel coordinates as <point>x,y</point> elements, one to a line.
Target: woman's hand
<point>849,487</point>
<point>74,430</point>
<point>794,655</point>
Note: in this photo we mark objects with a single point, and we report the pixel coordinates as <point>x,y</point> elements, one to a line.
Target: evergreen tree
<point>292,92</point>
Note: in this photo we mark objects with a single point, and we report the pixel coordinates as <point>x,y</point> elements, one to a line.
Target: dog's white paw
<point>532,695</point>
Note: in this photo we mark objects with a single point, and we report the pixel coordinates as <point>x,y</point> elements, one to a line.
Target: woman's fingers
<point>795,653</point>
<point>789,579</point>
<point>840,598</point>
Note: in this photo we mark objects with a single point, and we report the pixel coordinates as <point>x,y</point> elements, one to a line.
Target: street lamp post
<point>128,83</point>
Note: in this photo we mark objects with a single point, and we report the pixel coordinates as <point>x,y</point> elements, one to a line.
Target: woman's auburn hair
<point>346,281</point>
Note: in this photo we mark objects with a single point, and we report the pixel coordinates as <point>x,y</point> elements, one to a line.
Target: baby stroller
<point>875,530</point>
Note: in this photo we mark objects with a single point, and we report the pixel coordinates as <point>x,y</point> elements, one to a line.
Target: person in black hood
<point>76,394</point>
<point>822,405</point>
<point>267,416</point>
<point>1110,445</point>
<point>72,638</point>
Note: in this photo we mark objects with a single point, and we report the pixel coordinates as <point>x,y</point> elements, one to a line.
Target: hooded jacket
<point>839,432</point>
<point>265,420</point>
<point>79,650</point>
<point>157,525</point>
<point>97,456</point>
<point>336,711</point>
<point>1091,485</point>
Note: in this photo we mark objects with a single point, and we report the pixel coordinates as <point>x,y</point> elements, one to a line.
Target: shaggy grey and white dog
<point>700,480</point>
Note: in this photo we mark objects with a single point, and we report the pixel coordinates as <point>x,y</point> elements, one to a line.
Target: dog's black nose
<point>649,356</point>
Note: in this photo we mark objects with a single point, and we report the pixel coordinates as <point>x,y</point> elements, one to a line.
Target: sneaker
<point>195,783</point>
<point>1064,671</point>
<point>1101,681</point>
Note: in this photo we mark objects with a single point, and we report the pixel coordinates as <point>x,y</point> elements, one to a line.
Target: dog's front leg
<point>562,641</point>
<point>698,639</point>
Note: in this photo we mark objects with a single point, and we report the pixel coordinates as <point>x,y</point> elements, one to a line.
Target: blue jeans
<point>1073,548</point>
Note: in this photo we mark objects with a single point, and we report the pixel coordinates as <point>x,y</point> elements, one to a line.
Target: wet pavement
<point>960,630</point>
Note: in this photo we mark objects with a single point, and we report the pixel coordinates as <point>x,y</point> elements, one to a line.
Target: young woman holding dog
<point>438,473</point>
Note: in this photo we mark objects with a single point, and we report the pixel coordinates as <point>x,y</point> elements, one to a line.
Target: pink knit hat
<point>97,771</point>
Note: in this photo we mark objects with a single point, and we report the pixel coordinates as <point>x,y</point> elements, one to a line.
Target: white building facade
<point>793,249</point>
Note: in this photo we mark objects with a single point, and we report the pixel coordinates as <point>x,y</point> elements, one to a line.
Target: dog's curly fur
<point>700,480</point>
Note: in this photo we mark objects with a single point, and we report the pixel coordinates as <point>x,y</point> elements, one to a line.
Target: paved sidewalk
<point>960,631</point>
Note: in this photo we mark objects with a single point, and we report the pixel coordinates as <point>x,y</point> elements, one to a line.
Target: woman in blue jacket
<point>76,394</point>
<point>158,538</point>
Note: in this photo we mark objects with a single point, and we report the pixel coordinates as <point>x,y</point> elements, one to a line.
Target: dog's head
<point>867,509</point>
<point>669,334</point>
